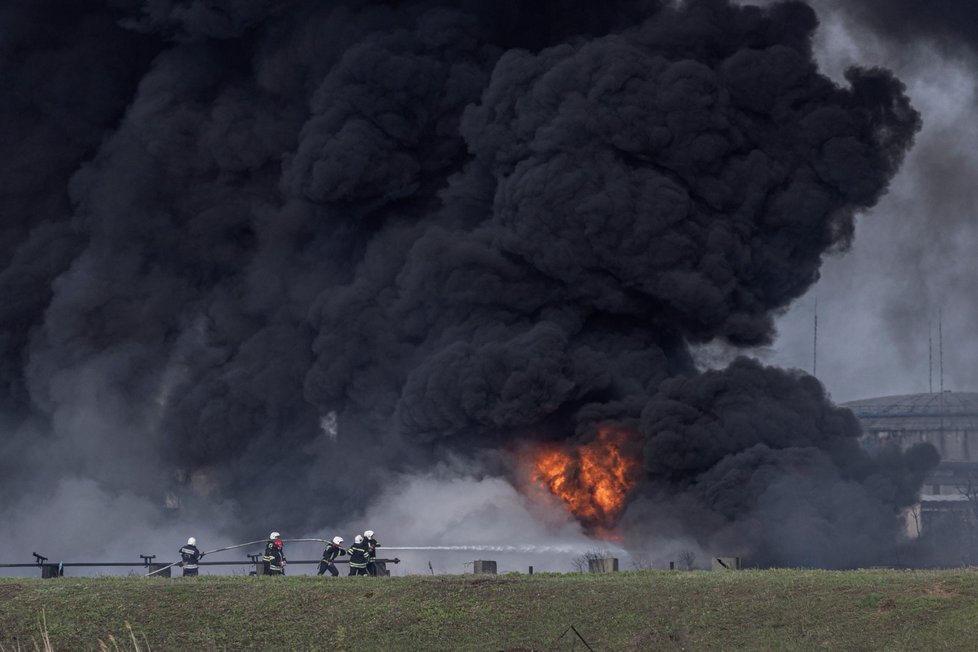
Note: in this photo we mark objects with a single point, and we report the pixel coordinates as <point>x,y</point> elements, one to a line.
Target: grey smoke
<point>455,227</point>
<point>946,24</point>
<point>910,259</point>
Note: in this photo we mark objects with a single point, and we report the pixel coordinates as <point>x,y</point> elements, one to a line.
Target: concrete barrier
<point>162,573</point>
<point>726,563</point>
<point>609,565</point>
<point>49,571</point>
<point>484,567</point>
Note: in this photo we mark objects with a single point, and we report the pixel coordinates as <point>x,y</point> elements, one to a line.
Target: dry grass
<point>661,610</point>
<point>45,644</point>
<point>113,644</point>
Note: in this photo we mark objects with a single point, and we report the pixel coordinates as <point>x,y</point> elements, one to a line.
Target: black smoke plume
<point>441,226</point>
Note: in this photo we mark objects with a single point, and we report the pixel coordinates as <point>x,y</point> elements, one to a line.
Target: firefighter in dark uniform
<point>372,545</point>
<point>359,556</point>
<point>330,553</point>
<point>274,558</point>
<point>190,555</point>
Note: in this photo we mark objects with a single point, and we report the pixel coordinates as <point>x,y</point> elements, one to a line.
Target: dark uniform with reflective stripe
<point>274,558</point>
<point>372,546</point>
<point>190,555</point>
<point>331,552</point>
<point>359,556</point>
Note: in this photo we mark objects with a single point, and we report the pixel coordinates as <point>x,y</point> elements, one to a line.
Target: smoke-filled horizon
<point>909,268</point>
<point>263,262</point>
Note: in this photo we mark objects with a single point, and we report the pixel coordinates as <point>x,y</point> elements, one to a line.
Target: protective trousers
<point>327,566</point>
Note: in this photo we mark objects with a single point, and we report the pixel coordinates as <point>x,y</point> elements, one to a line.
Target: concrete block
<point>609,565</point>
<point>162,573</point>
<point>484,567</point>
<point>49,571</point>
<point>726,563</point>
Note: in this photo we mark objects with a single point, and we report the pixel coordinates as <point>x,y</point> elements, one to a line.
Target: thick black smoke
<point>440,225</point>
<point>757,448</point>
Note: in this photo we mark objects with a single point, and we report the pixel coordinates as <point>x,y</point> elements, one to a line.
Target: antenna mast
<point>940,354</point>
<point>815,341</point>
<point>940,345</point>
<point>930,357</point>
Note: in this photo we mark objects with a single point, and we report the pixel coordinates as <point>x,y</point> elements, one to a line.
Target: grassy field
<point>647,610</point>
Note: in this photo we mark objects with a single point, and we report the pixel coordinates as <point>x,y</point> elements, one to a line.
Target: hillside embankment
<point>646,610</point>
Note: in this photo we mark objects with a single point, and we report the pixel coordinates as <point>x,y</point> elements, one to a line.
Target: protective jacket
<point>359,555</point>
<point>190,556</point>
<point>274,558</point>
<point>372,545</point>
<point>331,552</point>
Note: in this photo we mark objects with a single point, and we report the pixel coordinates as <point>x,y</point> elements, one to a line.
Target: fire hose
<point>239,545</point>
<point>208,552</point>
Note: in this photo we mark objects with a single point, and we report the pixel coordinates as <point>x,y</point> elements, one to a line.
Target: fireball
<point>593,480</point>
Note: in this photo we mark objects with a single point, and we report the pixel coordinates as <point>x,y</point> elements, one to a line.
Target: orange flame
<point>594,481</point>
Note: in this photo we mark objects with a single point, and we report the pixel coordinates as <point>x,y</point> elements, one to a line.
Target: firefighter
<point>190,556</point>
<point>359,556</point>
<point>274,558</point>
<point>331,552</point>
<point>372,545</point>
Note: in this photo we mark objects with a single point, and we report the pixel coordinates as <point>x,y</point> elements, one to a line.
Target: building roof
<point>952,498</point>
<point>935,411</point>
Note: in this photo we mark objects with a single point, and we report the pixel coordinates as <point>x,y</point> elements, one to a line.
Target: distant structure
<point>949,421</point>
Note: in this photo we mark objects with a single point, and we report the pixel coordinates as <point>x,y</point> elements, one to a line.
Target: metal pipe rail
<point>51,570</point>
<point>200,563</point>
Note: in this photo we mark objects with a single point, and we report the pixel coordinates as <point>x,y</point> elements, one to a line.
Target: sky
<point>910,266</point>
<point>356,264</point>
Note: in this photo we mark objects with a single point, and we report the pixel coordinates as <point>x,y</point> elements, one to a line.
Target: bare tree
<point>687,559</point>
<point>915,515</point>
<point>582,563</point>
<point>969,489</point>
<point>641,561</point>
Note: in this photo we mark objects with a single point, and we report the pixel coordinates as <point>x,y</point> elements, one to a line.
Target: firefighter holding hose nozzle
<point>330,553</point>
<point>190,555</point>
<point>372,545</point>
<point>274,558</point>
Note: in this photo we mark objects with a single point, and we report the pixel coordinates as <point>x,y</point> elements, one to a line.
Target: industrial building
<point>949,421</point>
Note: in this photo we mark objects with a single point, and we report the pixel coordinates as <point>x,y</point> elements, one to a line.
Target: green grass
<point>648,610</point>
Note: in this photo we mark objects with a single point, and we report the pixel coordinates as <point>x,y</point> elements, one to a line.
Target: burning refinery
<point>442,266</point>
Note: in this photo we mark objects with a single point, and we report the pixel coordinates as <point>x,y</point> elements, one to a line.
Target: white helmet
<point>358,539</point>
<point>368,534</point>
<point>337,540</point>
<point>191,541</point>
<point>274,535</point>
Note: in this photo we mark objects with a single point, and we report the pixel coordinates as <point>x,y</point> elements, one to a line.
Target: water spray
<point>528,548</point>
